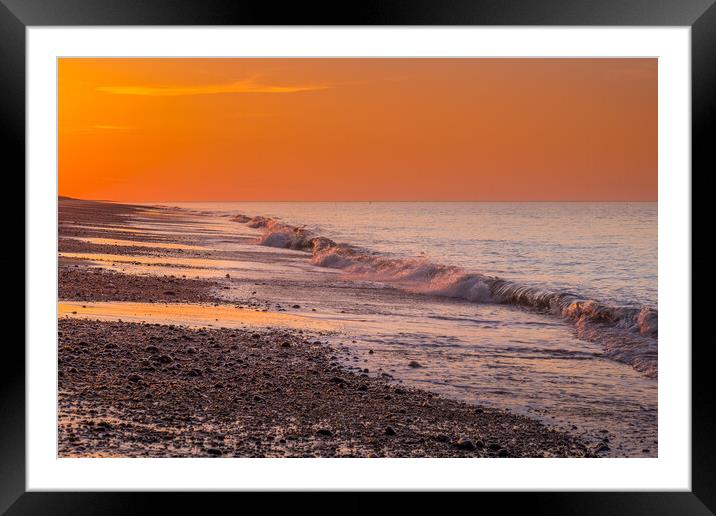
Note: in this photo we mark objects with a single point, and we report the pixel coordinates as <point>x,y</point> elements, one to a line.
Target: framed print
<point>421,248</point>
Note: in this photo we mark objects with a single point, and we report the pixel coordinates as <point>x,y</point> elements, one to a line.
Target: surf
<point>628,334</point>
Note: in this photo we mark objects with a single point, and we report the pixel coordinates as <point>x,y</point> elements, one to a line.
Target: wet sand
<point>267,390</point>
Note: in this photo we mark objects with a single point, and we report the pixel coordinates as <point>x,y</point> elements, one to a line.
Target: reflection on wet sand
<point>135,243</point>
<point>191,315</point>
<point>175,261</point>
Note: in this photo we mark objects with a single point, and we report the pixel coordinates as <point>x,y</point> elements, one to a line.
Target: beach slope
<point>133,389</point>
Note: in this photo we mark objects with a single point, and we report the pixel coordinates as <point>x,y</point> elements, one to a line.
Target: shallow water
<point>486,353</point>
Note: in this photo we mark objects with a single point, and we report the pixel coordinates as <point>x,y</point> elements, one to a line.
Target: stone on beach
<point>465,444</point>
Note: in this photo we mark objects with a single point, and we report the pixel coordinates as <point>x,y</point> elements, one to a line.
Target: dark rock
<point>324,432</point>
<point>415,364</point>
<point>214,451</point>
<point>286,345</point>
<point>296,306</point>
<point>135,378</point>
<point>464,444</point>
<point>389,430</point>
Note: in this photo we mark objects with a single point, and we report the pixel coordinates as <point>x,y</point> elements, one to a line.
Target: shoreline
<point>103,412</point>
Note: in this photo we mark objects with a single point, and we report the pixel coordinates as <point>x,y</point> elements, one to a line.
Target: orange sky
<point>358,129</point>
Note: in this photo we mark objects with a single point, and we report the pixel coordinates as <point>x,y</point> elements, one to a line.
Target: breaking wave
<point>628,334</point>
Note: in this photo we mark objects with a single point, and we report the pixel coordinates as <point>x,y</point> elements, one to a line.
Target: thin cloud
<point>245,86</point>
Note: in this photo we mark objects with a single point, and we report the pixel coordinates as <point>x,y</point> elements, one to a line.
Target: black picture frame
<point>700,15</point>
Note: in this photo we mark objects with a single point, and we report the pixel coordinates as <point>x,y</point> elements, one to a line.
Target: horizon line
<point>367,201</point>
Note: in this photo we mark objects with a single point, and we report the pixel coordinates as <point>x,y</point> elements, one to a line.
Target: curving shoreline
<point>130,389</point>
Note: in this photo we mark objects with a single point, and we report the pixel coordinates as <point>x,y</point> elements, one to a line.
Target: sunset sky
<point>358,129</point>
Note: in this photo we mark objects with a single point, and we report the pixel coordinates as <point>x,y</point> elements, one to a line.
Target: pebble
<point>602,448</point>
<point>465,444</point>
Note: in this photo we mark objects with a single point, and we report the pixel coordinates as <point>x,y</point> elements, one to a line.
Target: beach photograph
<point>357,258</point>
